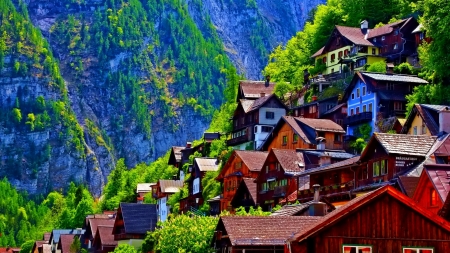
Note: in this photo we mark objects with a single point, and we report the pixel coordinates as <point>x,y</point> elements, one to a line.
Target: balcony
<point>329,191</point>
<point>240,139</point>
<point>280,191</point>
<point>359,118</point>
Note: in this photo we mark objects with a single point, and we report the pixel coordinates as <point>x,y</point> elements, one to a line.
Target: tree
<point>30,121</point>
<point>27,246</point>
<point>379,67</point>
<point>75,247</point>
<point>125,248</point>
<point>404,68</point>
<point>16,115</point>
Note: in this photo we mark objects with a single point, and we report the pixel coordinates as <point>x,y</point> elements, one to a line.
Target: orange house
<point>241,164</point>
<point>304,133</point>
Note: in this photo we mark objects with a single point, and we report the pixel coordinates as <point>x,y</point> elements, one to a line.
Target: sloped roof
<point>56,233</point>
<point>253,89</point>
<point>258,103</point>
<point>144,187</point>
<point>65,242</point>
<point>38,244</point>
<point>246,104</point>
<point>402,144</point>
<point>408,184</point>
<point>333,154</point>
<point>439,175</point>
<point>106,236</point>
<point>290,210</point>
<point>333,166</point>
<point>253,159</point>
<point>359,202</point>
<point>322,125</point>
<point>395,78</point>
<point>94,223</point>
<point>177,152</point>
<point>170,186</point>
<point>424,113</point>
<point>139,218</point>
<point>290,160</point>
<point>319,52</point>
<point>297,129</point>
<point>385,29</point>
<point>207,164</point>
<point>335,108</point>
<point>419,28</point>
<point>264,230</point>
<point>251,187</point>
<point>354,34</point>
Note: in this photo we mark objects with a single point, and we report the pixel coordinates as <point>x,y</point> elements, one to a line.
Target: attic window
<point>324,59</point>
<point>338,41</point>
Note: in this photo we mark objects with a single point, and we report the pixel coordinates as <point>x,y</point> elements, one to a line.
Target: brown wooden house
<point>91,228</point>
<point>246,194</point>
<point>161,192</point>
<point>104,240</point>
<point>65,241</point>
<point>336,114</point>
<point>278,177</point>
<point>315,109</point>
<point>252,89</point>
<point>302,133</point>
<point>197,171</point>
<point>133,221</point>
<point>382,221</point>
<point>241,164</point>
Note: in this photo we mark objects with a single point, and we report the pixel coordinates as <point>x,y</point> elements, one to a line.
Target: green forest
<point>177,57</point>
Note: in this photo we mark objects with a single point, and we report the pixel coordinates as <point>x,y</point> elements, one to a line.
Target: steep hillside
<point>135,77</point>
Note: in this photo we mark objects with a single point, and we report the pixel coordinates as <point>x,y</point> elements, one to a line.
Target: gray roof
<point>436,108</point>
<point>333,154</point>
<point>139,218</point>
<point>56,233</point>
<point>207,164</point>
<point>333,166</point>
<point>395,78</point>
<point>417,145</point>
<point>144,187</point>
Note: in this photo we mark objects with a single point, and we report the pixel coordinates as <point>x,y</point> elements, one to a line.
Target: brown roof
<point>47,236</point>
<point>253,89</point>
<point>297,129</point>
<point>408,184</point>
<point>322,125</point>
<point>319,52</point>
<point>65,241</point>
<point>170,186</point>
<point>416,145</point>
<point>177,152</point>
<point>246,104</point>
<point>264,230</point>
<point>386,29</point>
<point>253,159</point>
<point>207,164</point>
<point>290,160</point>
<point>439,175</point>
<point>106,235</point>
<point>333,166</point>
<point>291,210</point>
<point>251,187</point>
<point>354,34</point>
<point>258,103</point>
<point>94,223</point>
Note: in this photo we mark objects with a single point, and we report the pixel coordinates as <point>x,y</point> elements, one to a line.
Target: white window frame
<point>418,248</point>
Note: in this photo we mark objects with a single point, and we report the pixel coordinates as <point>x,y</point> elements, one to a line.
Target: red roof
<point>439,175</point>
<point>106,236</point>
<point>94,223</point>
<point>253,159</point>
<point>290,160</point>
<point>9,250</point>
<point>319,52</point>
<point>386,29</point>
<point>354,34</point>
<point>64,243</point>
<point>408,184</point>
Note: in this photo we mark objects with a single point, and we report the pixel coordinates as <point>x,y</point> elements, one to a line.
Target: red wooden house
<point>92,225</point>
<point>104,240</point>
<point>336,114</point>
<point>246,194</point>
<point>382,221</point>
<point>278,177</point>
<point>315,109</point>
<point>241,164</point>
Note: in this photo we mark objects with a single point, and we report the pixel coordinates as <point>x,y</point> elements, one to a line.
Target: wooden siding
<point>422,195</point>
<point>385,224</point>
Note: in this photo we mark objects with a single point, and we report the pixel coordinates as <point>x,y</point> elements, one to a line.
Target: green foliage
<point>124,248</point>
<point>16,115</point>
<point>379,67</point>
<point>363,134</point>
<point>240,211</point>
<point>404,68</point>
<point>282,88</point>
<point>182,234</point>
<point>27,246</point>
<point>437,94</point>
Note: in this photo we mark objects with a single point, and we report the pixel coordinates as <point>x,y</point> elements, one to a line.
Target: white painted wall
<point>162,209</point>
<point>279,112</point>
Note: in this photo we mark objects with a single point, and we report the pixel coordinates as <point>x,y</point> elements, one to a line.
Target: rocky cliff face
<point>248,29</point>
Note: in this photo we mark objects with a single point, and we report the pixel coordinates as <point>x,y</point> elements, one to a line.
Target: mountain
<point>86,82</point>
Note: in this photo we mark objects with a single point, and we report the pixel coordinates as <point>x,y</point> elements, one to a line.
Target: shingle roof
<point>408,184</point>
<point>139,218</point>
<point>253,159</point>
<point>258,103</point>
<point>354,34</point>
<point>417,145</point>
<point>106,235</point>
<point>170,186</point>
<point>395,78</point>
<point>439,175</point>
<point>294,125</point>
<point>436,108</point>
<point>207,164</point>
<point>253,89</point>
<point>246,104</point>
<point>431,124</point>
<point>319,52</point>
<point>66,241</point>
<point>251,187</point>
<point>56,233</point>
<point>94,223</point>
<point>264,230</point>
<point>290,160</point>
<point>333,154</point>
<point>333,166</point>
<point>322,125</point>
<point>290,210</point>
<point>386,29</point>
<point>337,107</point>
<point>144,187</point>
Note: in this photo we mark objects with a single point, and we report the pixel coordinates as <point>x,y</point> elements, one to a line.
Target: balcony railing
<point>239,140</point>
<point>358,118</point>
<point>280,191</point>
<point>327,190</point>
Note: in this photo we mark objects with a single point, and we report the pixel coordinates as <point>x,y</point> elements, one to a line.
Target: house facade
<point>315,109</point>
<point>161,192</point>
<point>427,119</point>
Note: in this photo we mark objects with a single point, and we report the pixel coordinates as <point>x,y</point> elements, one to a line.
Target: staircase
<point>197,212</point>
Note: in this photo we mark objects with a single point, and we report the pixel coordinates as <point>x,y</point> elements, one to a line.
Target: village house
<point>419,37</point>
<point>142,189</point>
<point>41,246</point>
<point>427,119</point>
<point>253,120</point>
<point>161,192</point>
<point>65,241</point>
<point>303,133</point>
<point>384,220</point>
<point>104,240</point>
<point>179,156</point>
<point>316,108</point>
<point>373,97</point>
<point>133,221</point>
<point>245,195</point>
<point>241,164</point>
<point>337,114</point>
<point>56,234</point>
<point>92,225</point>
<point>197,171</point>
<point>251,90</point>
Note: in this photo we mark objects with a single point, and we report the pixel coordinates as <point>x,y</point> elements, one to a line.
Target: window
<point>272,184</point>
<point>383,38</point>
<point>421,36</point>
<point>267,169</point>
<point>433,197</point>
<point>357,110</point>
<point>242,120</point>
<point>390,86</point>
<point>266,129</point>
<point>374,39</point>
<point>356,249</point>
<point>238,165</point>
<point>376,168</point>
<point>395,46</point>
<point>312,109</point>
<point>351,112</point>
<point>344,110</point>
<point>364,91</point>
<point>370,107</point>
<point>302,111</point>
<point>283,182</point>
<point>264,187</point>
<point>398,106</point>
<point>340,55</point>
<point>270,115</point>
<point>332,70</point>
<point>364,108</point>
<point>424,129</point>
<point>384,167</point>
<point>338,41</point>
<point>340,122</point>
<point>396,32</point>
<point>374,51</point>
<point>418,250</point>
<point>363,174</point>
<point>353,95</point>
<point>346,52</point>
<point>415,130</point>
<point>324,59</point>
<point>285,140</point>
<point>357,93</point>
<point>337,137</point>
<point>295,138</point>
<point>333,56</point>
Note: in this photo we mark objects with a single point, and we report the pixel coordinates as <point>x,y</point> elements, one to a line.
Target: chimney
<point>444,120</point>
<point>263,94</point>
<point>320,143</point>
<point>188,144</point>
<point>324,159</point>
<point>364,27</point>
<point>317,208</point>
<point>314,98</point>
<point>267,83</point>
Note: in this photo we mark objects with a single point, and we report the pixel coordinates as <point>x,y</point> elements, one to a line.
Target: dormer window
<point>338,41</point>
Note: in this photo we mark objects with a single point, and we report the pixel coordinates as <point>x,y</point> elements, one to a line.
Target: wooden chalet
<point>315,109</point>
<point>197,171</point>
<point>252,89</point>
<point>241,164</point>
<point>254,119</point>
<point>303,133</point>
<point>56,235</point>
<point>257,233</point>
<point>65,241</point>
<point>175,156</point>
<point>142,189</point>
<point>161,192</point>
<point>104,240</point>
<point>133,221</point>
<point>91,228</point>
<point>427,119</point>
<point>336,114</point>
<point>384,220</point>
<point>246,194</point>
<point>278,177</point>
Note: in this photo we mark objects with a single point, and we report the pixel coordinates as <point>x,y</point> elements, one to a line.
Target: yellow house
<point>427,120</point>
